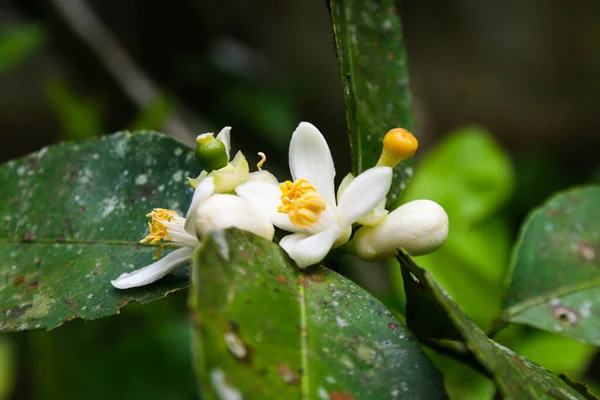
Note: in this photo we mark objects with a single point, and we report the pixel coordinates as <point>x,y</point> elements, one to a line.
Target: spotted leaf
<point>368,39</point>
<point>267,330</point>
<point>71,217</point>
<point>555,279</point>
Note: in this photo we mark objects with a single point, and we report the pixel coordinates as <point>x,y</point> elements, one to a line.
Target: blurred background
<point>526,73</point>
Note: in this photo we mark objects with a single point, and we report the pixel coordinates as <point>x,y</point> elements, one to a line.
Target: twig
<point>132,79</point>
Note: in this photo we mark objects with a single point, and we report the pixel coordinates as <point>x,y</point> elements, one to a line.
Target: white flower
<point>213,213</point>
<point>307,205</point>
<point>419,227</point>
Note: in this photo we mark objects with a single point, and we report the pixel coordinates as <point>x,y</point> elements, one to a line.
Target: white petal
<point>310,249</point>
<point>263,176</point>
<point>202,192</point>
<point>154,271</point>
<point>266,197</point>
<point>225,138</point>
<point>222,211</point>
<point>344,185</point>
<point>311,159</point>
<point>363,194</point>
<point>419,227</point>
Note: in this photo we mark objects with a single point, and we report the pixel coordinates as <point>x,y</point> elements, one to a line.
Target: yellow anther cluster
<point>398,144</point>
<point>158,229</point>
<point>301,202</point>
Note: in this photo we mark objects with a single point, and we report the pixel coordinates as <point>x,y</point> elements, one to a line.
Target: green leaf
<point>71,217</point>
<point>580,387</point>
<point>264,329</point>
<point>469,175</point>
<point>555,279</point>
<point>368,39</point>
<point>17,43</point>
<point>515,376</point>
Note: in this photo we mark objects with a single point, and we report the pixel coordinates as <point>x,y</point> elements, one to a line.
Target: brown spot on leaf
<point>316,277</point>
<point>304,283</point>
<point>281,279</point>
<point>28,237</point>
<point>33,286</point>
<point>341,396</point>
<point>393,325</point>
<point>565,315</point>
<point>587,251</point>
<point>288,375</point>
<point>18,280</point>
<point>72,305</point>
<point>125,301</point>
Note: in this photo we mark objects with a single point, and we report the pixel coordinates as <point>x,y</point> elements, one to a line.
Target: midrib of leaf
<point>345,55</point>
<point>305,391</point>
<point>71,241</point>
<point>543,298</point>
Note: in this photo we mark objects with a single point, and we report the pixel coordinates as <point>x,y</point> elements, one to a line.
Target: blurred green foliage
<point>142,354</point>
<point>79,118</point>
<point>17,43</point>
<point>469,175</point>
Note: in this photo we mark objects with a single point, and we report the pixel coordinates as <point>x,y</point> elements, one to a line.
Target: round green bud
<point>210,152</point>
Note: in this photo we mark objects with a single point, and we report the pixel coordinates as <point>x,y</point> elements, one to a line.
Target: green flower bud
<point>210,152</point>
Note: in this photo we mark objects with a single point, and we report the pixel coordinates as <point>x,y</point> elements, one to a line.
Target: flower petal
<point>202,192</point>
<point>310,249</point>
<point>363,194</point>
<point>154,271</point>
<point>222,211</point>
<point>225,138</point>
<point>311,159</point>
<point>266,197</point>
<point>419,227</point>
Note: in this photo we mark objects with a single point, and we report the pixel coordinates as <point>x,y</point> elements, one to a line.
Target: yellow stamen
<point>158,229</point>
<point>398,144</point>
<point>263,158</point>
<point>301,202</point>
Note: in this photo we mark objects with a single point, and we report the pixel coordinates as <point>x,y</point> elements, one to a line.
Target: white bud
<point>419,227</point>
<point>222,211</point>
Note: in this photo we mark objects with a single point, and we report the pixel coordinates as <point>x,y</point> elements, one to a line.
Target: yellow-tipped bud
<point>398,144</point>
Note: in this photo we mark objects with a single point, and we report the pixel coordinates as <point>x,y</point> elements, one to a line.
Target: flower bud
<point>222,211</point>
<point>419,227</point>
<point>398,144</point>
<point>211,153</point>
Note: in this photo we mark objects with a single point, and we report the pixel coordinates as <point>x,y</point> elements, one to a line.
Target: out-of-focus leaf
<point>515,376</point>
<point>368,39</point>
<point>469,175</point>
<point>559,354</point>
<point>8,366</point>
<point>143,354</point>
<point>17,43</point>
<point>264,329</point>
<point>580,387</point>
<point>79,118</point>
<point>153,115</point>
<point>555,279</point>
<point>72,217</point>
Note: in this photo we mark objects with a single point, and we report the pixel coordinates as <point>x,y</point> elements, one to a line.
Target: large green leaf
<point>515,376</point>
<point>555,280</point>
<point>368,39</point>
<point>264,329</point>
<point>71,217</point>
